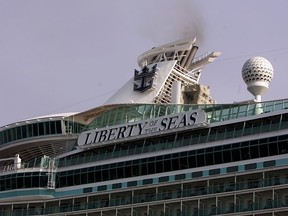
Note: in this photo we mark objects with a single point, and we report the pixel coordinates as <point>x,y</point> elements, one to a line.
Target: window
<point>87,190</point>
<point>102,187</point>
<point>164,179</point>
<point>250,166</point>
<point>197,174</point>
<point>214,172</point>
<point>132,183</point>
<point>147,181</point>
<point>180,176</point>
<point>35,129</point>
<point>232,169</point>
<point>269,163</point>
<point>116,186</point>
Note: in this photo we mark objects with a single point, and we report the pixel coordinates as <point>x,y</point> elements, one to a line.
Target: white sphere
<point>257,68</point>
<point>257,73</point>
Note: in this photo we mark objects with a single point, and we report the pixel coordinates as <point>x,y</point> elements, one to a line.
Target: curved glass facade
<point>169,168</point>
<point>232,152</point>
<point>180,139</point>
<point>23,180</point>
<point>30,130</point>
<point>215,112</point>
<point>38,129</point>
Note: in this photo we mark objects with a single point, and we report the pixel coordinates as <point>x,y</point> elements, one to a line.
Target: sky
<point>59,56</point>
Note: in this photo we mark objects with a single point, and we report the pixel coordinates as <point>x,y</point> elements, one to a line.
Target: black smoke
<point>172,21</point>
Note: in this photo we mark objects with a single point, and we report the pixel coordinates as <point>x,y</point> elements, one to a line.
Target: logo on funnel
<point>143,80</point>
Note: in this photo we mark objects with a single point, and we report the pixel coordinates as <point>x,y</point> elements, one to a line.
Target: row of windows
<point>131,113</point>
<point>38,129</point>
<point>164,192</point>
<point>35,179</point>
<point>181,139</point>
<point>73,127</point>
<point>30,130</point>
<point>23,180</point>
<point>228,204</point>
<point>176,161</point>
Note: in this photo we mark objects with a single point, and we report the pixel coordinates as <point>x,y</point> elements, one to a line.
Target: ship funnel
<point>191,56</point>
<point>176,92</point>
<point>187,60</point>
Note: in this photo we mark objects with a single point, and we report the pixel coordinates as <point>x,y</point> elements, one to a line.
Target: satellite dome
<point>257,73</point>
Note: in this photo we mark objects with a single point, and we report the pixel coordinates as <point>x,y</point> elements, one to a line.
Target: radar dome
<point>257,73</point>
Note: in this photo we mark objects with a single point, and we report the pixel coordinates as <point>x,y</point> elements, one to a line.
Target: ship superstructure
<point>161,69</point>
<point>152,149</point>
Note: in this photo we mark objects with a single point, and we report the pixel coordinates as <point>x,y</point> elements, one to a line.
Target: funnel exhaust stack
<point>187,60</point>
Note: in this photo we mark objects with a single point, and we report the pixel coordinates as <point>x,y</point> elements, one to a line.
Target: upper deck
<point>32,138</point>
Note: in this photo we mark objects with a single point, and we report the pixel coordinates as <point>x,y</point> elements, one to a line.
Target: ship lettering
<point>96,135</point>
<point>172,122</point>
<point>121,132</point>
<point>192,118</point>
<point>177,121</point>
<point>102,136</point>
<point>164,124</point>
<point>183,121</point>
<point>145,127</point>
<point>112,134</point>
<point>87,138</point>
<point>141,128</point>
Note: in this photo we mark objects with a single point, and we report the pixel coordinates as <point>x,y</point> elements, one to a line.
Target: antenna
<point>257,73</point>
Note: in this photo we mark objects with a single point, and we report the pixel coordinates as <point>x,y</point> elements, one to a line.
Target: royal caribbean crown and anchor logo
<point>144,79</point>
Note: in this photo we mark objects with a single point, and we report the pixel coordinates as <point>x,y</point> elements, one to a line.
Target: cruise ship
<point>160,146</point>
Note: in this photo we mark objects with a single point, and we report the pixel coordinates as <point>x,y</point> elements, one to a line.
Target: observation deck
<point>33,138</point>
